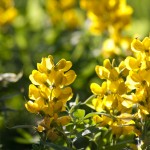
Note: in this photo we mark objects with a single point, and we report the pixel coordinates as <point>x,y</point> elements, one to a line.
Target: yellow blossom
<point>125,98</point>
<point>107,15</point>
<point>65,14</point>
<point>97,89</point>
<point>49,93</point>
<point>7,11</point>
<point>132,63</point>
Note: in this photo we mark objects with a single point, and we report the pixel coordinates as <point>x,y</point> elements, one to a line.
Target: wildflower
<point>49,93</point>
<point>7,11</point>
<point>109,18</point>
<point>65,14</point>
<point>109,15</point>
<point>124,100</point>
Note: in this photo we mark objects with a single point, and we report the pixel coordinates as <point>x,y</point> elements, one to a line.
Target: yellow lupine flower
<point>132,63</point>
<point>65,94</point>
<point>107,15</point>
<point>49,93</point>
<point>35,107</point>
<point>146,43</point>
<point>108,101</point>
<point>107,72</point>
<point>103,120</point>
<point>72,18</point>
<point>122,69</point>
<point>64,65</point>
<point>34,92</point>
<point>141,93</point>
<point>143,46</point>
<point>66,14</point>
<point>122,129</point>
<point>106,120</point>
<point>7,11</point>
<point>102,72</point>
<point>67,4</point>
<point>55,75</point>
<point>97,119</point>
<point>97,89</point>
<point>46,64</point>
<point>69,77</point>
<point>38,78</point>
<point>117,86</point>
<point>98,104</point>
<point>137,45</point>
<point>123,125</point>
<point>140,78</point>
<point>129,101</point>
<point>125,100</point>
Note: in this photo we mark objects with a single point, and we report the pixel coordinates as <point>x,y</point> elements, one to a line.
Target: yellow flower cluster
<point>7,11</point>
<point>124,97</point>
<point>64,13</point>
<point>49,93</point>
<point>109,17</point>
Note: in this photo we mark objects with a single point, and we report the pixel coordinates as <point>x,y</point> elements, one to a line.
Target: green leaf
<point>79,113</point>
<point>23,126</point>
<point>52,146</point>
<point>96,113</point>
<point>88,102</point>
<point>118,146</point>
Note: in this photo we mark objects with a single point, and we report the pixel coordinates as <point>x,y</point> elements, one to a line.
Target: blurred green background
<point>28,37</point>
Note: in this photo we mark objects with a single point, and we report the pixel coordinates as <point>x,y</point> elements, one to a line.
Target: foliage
<point>70,107</point>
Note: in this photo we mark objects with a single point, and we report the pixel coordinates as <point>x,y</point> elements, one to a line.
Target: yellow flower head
<point>49,93</point>
<point>107,15</point>
<point>7,11</point>
<point>49,90</point>
<point>64,13</point>
<point>139,46</point>
<point>123,98</point>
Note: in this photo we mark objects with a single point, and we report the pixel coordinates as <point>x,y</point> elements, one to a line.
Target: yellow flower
<point>138,79</point>
<point>124,100</point>
<point>123,128</point>
<point>117,86</point>
<point>99,90</point>
<point>108,71</point>
<point>129,101</point>
<point>49,93</point>
<point>66,14</point>
<point>53,75</point>
<point>7,11</point>
<point>139,46</point>
<point>132,63</point>
<point>111,15</point>
<point>72,18</point>
<point>102,72</point>
<point>98,104</point>
<point>38,78</point>
<point>97,119</point>
<point>36,106</point>
<point>67,4</point>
